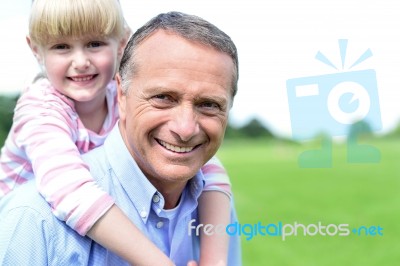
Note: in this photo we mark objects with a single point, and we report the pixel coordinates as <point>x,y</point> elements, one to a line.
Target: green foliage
<point>360,129</point>
<point>270,187</point>
<point>7,104</point>
<point>395,133</point>
<point>253,129</point>
<point>233,132</point>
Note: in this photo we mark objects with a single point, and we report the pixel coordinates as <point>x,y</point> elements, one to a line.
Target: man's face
<point>174,116</point>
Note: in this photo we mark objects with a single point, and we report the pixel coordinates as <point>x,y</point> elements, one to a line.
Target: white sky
<point>277,40</point>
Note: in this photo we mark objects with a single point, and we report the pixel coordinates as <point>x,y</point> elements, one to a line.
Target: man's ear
<point>121,98</point>
<point>35,50</point>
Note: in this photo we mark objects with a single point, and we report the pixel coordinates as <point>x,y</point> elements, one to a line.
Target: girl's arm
<point>215,209</point>
<point>46,132</point>
<point>117,233</point>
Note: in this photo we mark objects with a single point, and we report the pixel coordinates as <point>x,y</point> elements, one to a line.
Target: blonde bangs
<point>52,19</point>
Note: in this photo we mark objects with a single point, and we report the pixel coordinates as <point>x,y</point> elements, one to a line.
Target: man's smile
<point>174,148</point>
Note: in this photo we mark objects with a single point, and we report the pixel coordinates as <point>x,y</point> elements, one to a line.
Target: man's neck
<point>171,192</point>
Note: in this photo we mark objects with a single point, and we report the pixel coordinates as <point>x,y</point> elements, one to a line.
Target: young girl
<point>69,112</point>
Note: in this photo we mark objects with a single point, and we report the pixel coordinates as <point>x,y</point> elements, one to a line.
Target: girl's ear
<point>35,50</point>
<point>121,49</point>
<point>124,40</point>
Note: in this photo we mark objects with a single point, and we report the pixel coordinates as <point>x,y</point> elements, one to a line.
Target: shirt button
<point>143,214</point>
<point>156,198</point>
<point>159,225</point>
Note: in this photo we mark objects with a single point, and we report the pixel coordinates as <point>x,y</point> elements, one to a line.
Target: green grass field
<point>270,187</point>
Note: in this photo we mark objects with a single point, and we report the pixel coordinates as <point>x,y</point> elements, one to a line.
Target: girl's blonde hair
<point>51,19</point>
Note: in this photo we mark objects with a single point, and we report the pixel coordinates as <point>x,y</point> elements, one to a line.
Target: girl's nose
<point>80,61</point>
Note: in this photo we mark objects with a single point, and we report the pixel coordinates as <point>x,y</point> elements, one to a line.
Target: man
<point>177,81</point>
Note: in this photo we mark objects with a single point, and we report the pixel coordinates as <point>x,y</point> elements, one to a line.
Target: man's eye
<point>162,101</point>
<point>210,107</point>
<point>161,97</point>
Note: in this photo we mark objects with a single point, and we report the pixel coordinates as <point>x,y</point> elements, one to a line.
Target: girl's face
<point>80,68</point>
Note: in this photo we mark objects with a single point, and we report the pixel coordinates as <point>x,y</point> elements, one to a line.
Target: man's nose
<point>185,123</point>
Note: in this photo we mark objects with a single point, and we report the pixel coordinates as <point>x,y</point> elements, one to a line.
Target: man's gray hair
<point>190,27</point>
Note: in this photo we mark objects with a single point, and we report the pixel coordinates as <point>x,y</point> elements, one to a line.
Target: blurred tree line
<point>7,104</point>
<point>254,128</point>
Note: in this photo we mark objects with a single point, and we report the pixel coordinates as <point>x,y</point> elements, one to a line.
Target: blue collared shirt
<point>31,235</point>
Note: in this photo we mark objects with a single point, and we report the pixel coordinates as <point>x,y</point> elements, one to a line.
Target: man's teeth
<point>82,79</point>
<point>175,148</point>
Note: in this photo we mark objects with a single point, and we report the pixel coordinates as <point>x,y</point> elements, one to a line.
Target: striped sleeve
<point>48,134</point>
<point>216,177</point>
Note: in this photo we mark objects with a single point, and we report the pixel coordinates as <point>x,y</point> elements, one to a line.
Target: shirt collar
<point>136,185</point>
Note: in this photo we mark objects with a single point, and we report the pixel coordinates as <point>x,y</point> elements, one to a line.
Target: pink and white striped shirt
<point>46,141</point>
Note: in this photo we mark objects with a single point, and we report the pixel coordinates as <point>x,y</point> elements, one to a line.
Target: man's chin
<point>178,173</point>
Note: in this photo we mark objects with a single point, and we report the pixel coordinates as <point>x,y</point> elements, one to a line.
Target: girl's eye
<point>60,47</point>
<point>95,44</point>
